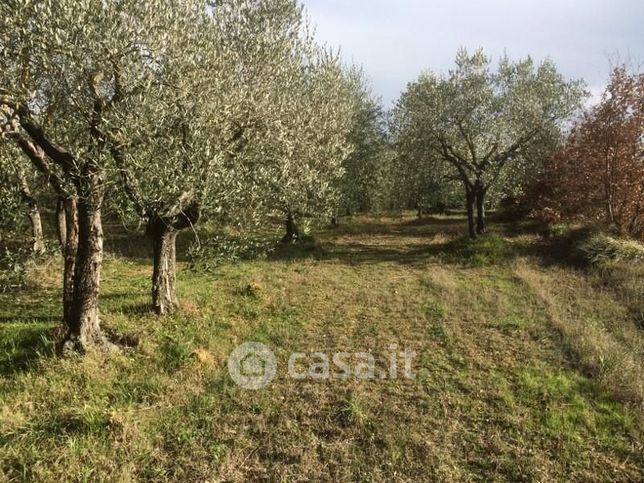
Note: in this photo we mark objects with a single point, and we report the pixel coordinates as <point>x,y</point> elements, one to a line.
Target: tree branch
<point>38,159</point>
<point>57,154</point>
<point>448,154</point>
<point>131,186</point>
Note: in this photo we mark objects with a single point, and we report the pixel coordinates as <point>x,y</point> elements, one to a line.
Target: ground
<point>526,369</point>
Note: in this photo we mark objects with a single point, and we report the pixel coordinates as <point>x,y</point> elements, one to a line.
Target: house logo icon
<point>252,366</point>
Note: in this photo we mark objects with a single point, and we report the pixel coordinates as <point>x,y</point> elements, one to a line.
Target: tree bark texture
<point>82,317</point>
<point>481,224</point>
<point>70,233</point>
<point>164,279</point>
<point>163,232</point>
<point>61,223</point>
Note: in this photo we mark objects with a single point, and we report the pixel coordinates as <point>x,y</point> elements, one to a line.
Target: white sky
<point>396,39</point>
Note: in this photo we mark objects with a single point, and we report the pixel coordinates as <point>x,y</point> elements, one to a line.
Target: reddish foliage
<point>599,173</point>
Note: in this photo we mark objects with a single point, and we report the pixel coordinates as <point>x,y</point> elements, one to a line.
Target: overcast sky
<point>396,39</point>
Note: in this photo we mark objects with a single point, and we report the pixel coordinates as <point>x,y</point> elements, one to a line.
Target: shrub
<point>601,249</point>
<point>220,249</point>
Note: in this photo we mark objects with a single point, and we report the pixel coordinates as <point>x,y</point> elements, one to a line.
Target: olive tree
<point>366,184</point>
<point>168,145</point>
<point>300,134</point>
<point>309,170</point>
<point>70,72</point>
<point>180,147</point>
<point>481,121</point>
<point>421,179</point>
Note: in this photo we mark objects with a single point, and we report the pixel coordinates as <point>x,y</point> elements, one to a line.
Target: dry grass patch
<point>600,333</point>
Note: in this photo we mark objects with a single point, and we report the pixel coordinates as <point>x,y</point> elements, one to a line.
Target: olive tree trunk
<point>163,231</point>
<point>61,223</point>
<point>83,232</point>
<point>481,222</point>
<point>470,198</point>
<point>69,233</point>
<point>36,230</point>
<point>164,278</point>
<point>35,221</point>
<point>82,314</point>
<point>292,230</point>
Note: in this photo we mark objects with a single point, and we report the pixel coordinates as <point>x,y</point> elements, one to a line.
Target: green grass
<point>482,251</point>
<point>504,389</point>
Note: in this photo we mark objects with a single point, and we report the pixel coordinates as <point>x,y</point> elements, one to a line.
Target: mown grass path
<point>500,393</point>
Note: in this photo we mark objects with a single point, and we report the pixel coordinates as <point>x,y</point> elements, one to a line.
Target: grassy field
<point>528,368</point>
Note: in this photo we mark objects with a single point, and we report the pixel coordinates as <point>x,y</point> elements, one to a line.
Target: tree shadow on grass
<point>419,227</point>
<point>28,322</point>
<point>29,319</point>
<point>22,346</point>
<point>41,308</point>
<point>377,241</point>
<point>304,249</point>
<point>358,252</point>
<point>434,238</point>
<point>127,303</point>
<point>137,309</point>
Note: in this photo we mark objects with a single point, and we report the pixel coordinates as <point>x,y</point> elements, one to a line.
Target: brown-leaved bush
<point>598,175</point>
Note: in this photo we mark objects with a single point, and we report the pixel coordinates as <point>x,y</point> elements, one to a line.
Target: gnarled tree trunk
<point>164,278</point>
<point>61,223</point>
<point>292,230</point>
<point>163,232</point>
<point>36,230</point>
<point>82,319</point>
<point>83,261</point>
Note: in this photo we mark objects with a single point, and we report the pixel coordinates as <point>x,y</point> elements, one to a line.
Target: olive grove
<point>187,106</point>
<point>176,112</point>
